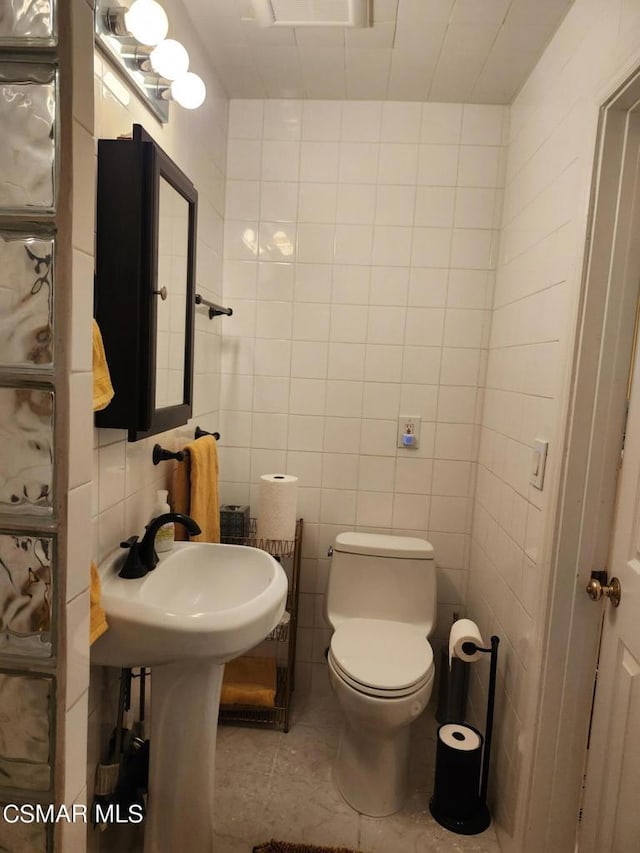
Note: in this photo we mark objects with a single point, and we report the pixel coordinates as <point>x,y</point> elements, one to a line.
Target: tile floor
<point>275,785</point>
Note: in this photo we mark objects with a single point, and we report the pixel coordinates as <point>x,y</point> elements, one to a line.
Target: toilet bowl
<point>380,696</point>
<point>381,604</point>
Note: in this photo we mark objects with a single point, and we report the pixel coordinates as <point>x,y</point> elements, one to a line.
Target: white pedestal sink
<point>202,605</point>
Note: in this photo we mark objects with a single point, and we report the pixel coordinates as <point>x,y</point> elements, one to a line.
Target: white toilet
<point>381,604</point>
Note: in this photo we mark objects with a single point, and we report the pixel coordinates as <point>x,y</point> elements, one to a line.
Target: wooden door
<point>611,806</point>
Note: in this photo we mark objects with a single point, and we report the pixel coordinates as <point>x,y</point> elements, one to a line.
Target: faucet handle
<point>133,566</point>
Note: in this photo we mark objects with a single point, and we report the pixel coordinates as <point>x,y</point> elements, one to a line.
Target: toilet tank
<point>373,576</point>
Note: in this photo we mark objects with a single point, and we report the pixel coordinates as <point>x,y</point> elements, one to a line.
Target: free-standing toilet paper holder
<point>480,820</point>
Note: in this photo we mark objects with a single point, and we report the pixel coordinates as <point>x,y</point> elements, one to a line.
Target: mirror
<point>173,229</point>
<point>145,284</point>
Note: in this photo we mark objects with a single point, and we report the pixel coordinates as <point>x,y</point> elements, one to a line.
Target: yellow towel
<point>102,387</point>
<point>97,616</point>
<point>249,681</point>
<point>195,489</point>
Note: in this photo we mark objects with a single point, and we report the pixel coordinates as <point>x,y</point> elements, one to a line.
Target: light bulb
<point>189,91</point>
<point>169,59</point>
<point>147,21</point>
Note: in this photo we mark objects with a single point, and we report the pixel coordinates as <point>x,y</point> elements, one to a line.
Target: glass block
<point>23,837</point>
<point>27,118</point>
<point>26,300</point>
<point>26,451</point>
<point>25,729</point>
<point>25,595</point>
<point>25,22</point>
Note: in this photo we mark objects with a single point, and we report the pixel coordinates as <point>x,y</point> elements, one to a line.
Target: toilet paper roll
<point>459,737</point>
<point>277,506</point>
<point>464,631</point>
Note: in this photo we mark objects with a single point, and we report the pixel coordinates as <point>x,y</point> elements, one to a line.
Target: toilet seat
<point>381,658</point>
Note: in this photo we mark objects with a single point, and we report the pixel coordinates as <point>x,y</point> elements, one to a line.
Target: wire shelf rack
<point>252,715</point>
<point>285,632</point>
<point>275,547</point>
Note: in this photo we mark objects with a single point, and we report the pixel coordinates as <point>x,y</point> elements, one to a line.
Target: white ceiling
<point>472,51</point>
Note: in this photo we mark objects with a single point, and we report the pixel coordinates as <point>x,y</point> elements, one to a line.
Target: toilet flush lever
<point>330,551</point>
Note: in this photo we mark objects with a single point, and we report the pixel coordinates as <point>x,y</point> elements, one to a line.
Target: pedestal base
<point>185,698</point>
<point>473,825</point>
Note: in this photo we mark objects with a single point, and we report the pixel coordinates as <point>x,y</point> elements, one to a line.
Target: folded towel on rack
<point>102,388</point>
<point>195,489</point>
<point>249,681</point>
<point>97,617</point>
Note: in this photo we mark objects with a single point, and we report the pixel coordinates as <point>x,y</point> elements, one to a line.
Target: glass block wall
<point>29,169</point>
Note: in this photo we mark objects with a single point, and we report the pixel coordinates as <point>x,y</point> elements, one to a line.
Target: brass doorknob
<point>612,591</point>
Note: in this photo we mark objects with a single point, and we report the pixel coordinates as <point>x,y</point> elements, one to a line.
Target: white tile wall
<point>365,296</point>
<point>548,176</point>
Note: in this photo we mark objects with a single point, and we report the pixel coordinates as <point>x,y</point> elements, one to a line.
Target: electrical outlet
<point>409,431</point>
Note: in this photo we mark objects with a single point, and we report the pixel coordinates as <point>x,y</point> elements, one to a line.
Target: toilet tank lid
<point>380,545</point>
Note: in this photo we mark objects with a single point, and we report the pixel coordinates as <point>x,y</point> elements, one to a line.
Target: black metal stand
<point>480,820</point>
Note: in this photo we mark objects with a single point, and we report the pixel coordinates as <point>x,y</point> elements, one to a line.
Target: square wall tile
<point>282,119</point>
<point>317,202</point>
<point>357,203</point>
<point>311,322</point>
<point>395,205</point>
<point>244,159</point>
<point>278,201</point>
<point>482,124</point>
<point>401,121</point>
<point>398,164</point>
<point>321,120</point>
<point>319,161</point>
<point>441,123</point>
<point>361,121</point>
<point>358,163</point>
<point>374,509</point>
<point>242,200</point>
<point>246,119</point>
<point>280,160</point>
<point>353,244</point>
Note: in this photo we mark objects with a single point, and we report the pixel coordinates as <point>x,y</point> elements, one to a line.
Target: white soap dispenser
<point>166,534</point>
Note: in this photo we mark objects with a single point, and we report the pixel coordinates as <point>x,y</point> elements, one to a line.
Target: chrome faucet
<point>142,557</point>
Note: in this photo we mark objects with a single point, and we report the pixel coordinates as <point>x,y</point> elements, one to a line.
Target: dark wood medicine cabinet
<point>145,284</point>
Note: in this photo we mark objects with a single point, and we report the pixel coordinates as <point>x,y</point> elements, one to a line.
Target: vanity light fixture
<point>133,38</point>
<point>145,20</point>
<point>169,59</point>
<point>188,90</point>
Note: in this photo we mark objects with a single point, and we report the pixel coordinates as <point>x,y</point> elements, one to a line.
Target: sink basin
<point>202,605</point>
<point>201,600</point>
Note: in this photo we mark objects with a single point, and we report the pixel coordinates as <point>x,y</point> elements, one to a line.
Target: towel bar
<point>201,432</point>
<point>214,310</point>
<point>160,454</point>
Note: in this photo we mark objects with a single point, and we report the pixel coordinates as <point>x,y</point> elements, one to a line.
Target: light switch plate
<point>538,463</point>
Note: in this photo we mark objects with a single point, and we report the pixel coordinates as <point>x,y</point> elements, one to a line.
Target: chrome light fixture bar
<point>133,39</point>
